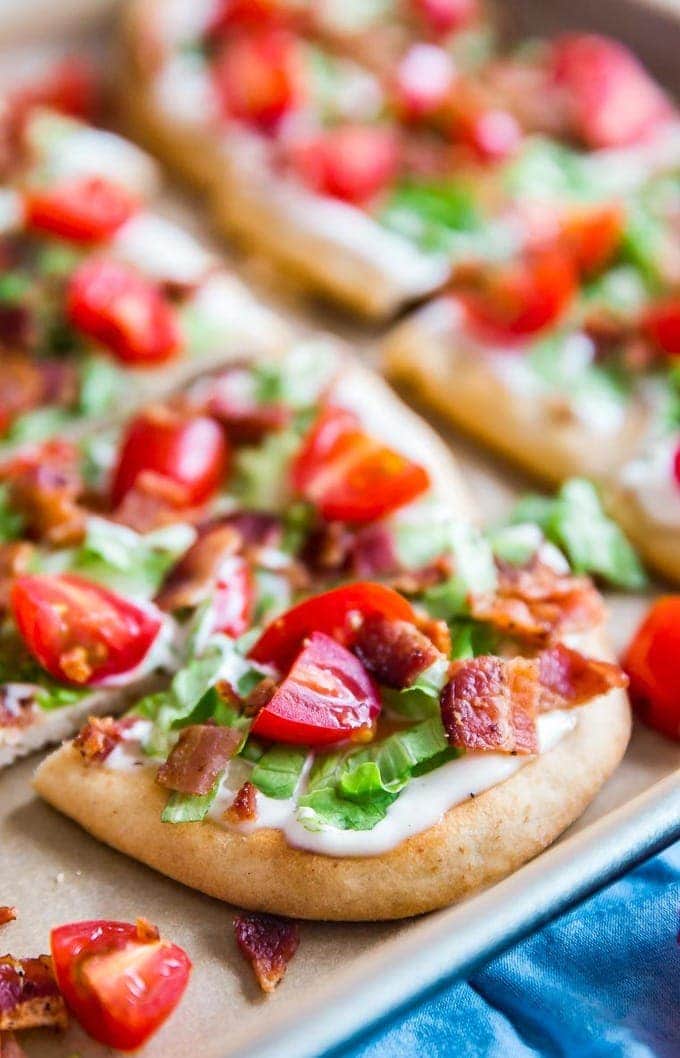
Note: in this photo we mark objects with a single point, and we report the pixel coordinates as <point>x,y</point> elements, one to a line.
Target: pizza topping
<point>45,495</point>
<point>268,943</point>
<point>233,400</point>
<point>10,1047</point>
<point>592,235</point>
<point>425,77</point>
<point>79,631</point>
<point>189,450</point>
<point>7,914</point>
<point>259,77</point>
<point>198,758</point>
<point>443,17</point>
<point>651,662</point>
<point>351,162</point>
<point>15,559</point>
<point>326,697</point>
<point>119,308</point>
<point>196,573</point>
<point>611,100</point>
<point>243,808</point>
<point>349,476</point>
<point>89,209</point>
<point>17,704</point>
<point>661,325</point>
<point>22,380</point>
<point>493,135</point>
<point>569,678</point>
<point>29,995</point>
<point>99,737</point>
<point>490,704</point>
<point>153,502</point>
<point>394,652</point>
<point>121,982</point>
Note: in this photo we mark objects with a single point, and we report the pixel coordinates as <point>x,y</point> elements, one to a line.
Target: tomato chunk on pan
<point>651,662</point>
<point>333,614</point>
<point>190,450</point>
<point>86,210</point>
<point>120,981</point>
<point>118,307</point>
<point>79,631</point>
<point>662,326</point>
<point>351,477</point>
<point>326,697</point>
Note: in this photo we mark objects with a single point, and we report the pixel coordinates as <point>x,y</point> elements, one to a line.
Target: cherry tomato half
<point>234,596</point>
<point>611,99</point>
<point>651,662</point>
<point>519,299</point>
<point>79,631</point>
<point>445,16</point>
<point>351,477</point>
<point>85,210</point>
<point>191,450</point>
<point>331,613</point>
<point>228,15</point>
<point>661,325</point>
<point>120,986</point>
<point>115,305</point>
<point>350,162</point>
<point>259,77</point>
<point>326,697</point>
<point>592,236</point>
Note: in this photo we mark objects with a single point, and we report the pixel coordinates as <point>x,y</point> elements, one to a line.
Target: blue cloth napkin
<point>602,981</point>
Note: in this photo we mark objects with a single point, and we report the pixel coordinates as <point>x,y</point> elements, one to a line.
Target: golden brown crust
<point>659,545</point>
<point>475,844</point>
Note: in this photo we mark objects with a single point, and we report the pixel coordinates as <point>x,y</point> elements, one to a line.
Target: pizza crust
<point>333,248</point>
<point>659,545</point>
<point>476,843</point>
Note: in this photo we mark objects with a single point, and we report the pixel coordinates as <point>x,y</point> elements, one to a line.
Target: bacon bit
<point>7,914</point>
<point>29,996</point>
<point>21,379</point>
<point>374,552</point>
<point>99,736</point>
<point>490,703</point>
<point>198,757</point>
<point>9,1046</point>
<point>334,547</point>
<point>536,603</point>
<point>437,631</point>
<point>259,696</point>
<point>568,678</point>
<point>256,528</point>
<point>154,501</point>
<point>243,808</point>
<point>75,665</point>
<point>230,695</point>
<point>147,933</point>
<point>268,943</point>
<point>15,559</point>
<point>395,652</point>
<point>190,580</point>
<point>46,496</point>
<point>415,582</point>
<point>328,547</point>
<point>231,398</point>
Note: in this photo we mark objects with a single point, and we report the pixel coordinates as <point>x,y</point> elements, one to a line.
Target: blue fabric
<point>602,981</point>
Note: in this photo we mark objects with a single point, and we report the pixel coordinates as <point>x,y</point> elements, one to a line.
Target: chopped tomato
<point>592,236</point>
<point>79,631</point>
<point>89,209</point>
<point>519,299</point>
<point>446,16</point>
<point>334,613</point>
<point>121,981</point>
<point>611,100</point>
<point>190,450</point>
<point>115,305</point>
<point>326,697</point>
<point>234,596</point>
<point>351,477</point>
<point>651,662</point>
<point>493,135</point>
<point>425,77</point>
<point>259,77</point>
<point>661,325</point>
<point>228,15</point>
<point>350,162</point>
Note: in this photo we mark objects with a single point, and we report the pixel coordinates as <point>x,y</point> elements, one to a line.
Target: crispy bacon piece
<point>10,1047</point>
<point>99,736</point>
<point>536,603</point>
<point>15,559</point>
<point>7,914</point>
<point>190,579</point>
<point>437,631</point>
<point>154,501</point>
<point>46,496</point>
<point>490,703</point>
<point>335,547</point>
<point>256,528</point>
<point>147,933</point>
<point>268,943</point>
<point>197,759</point>
<point>22,387</point>
<point>569,678</point>
<point>259,696</point>
<point>231,398</point>
<point>29,996</point>
<point>395,652</point>
<point>413,582</point>
<point>243,808</point>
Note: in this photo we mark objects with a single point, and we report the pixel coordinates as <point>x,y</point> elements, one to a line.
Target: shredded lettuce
<point>130,562</point>
<point>576,522</point>
<point>278,770</point>
<point>421,700</point>
<point>438,217</point>
<point>470,638</point>
<point>101,384</point>
<point>11,523</point>
<point>188,808</point>
<point>39,425</point>
<point>261,474</point>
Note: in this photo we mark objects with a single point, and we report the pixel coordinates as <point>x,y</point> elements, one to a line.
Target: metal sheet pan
<point>345,977</point>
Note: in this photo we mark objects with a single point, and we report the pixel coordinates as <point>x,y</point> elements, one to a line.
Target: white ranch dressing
<point>162,654</point>
<point>651,478</point>
<point>82,151</point>
<point>230,315</point>
<point>161,250</point>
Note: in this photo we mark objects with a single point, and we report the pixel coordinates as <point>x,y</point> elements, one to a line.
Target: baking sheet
<point>344,976</point>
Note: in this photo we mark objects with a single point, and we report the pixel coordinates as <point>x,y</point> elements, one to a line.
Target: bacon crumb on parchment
<point>10,1047</point>
<point>147,933</point>
<point>7,914</point>
<point>98,737</point>
<point>269,943</point>
<point>29,995</point>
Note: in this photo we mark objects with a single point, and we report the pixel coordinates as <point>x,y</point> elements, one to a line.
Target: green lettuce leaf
<point>421,700</point>
<point>127,561</point>
<point>438,217</point>
<point>278,771</point>
<point>188,808</point>
<point>261,474</point>
<point>418,543</point>
<point>101,385</point>
<point>11,523</point>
